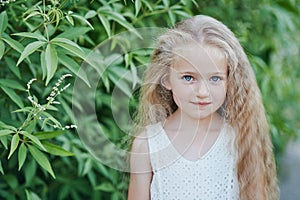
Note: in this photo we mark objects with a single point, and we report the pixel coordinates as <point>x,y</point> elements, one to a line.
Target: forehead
<point>199,59</point>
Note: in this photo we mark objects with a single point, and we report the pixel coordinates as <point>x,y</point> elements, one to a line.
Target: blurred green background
<point>42,157</point>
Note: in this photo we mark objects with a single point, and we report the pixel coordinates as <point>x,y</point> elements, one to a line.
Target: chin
<point>201,116</point>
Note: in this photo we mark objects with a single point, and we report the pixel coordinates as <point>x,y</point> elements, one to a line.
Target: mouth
<point>202,103</point>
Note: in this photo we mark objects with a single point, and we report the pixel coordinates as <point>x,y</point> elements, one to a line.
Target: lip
<point>201,103</point>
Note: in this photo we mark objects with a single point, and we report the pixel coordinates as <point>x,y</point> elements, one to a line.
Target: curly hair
<point>243,107</point>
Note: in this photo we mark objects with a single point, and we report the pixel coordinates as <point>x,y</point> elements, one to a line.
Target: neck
<point>179,121</point>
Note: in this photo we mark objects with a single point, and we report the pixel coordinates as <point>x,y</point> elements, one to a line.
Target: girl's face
<point>198,80</point>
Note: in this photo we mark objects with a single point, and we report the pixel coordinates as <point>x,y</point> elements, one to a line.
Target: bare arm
<point>140,170</point>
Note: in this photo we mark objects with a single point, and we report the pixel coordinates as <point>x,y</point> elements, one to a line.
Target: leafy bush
<point>42,157</point>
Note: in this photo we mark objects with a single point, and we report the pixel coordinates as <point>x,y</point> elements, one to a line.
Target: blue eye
<point>215,78</point>
<point>188,78</point>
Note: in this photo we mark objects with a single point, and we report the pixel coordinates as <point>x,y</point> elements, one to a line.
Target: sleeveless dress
<point>213,176</point>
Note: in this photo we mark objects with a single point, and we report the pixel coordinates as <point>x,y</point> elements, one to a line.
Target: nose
<point>202,89</point>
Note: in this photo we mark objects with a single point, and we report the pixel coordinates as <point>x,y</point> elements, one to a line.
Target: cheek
<point>182,93</point>
<point>218,94</point>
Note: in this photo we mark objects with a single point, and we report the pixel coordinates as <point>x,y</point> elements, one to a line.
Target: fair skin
<point>198,80</point>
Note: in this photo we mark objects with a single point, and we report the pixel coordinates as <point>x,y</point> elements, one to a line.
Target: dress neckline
<point>205,155</point>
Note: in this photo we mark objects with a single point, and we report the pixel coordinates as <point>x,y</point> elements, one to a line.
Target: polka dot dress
<point>213,176</point>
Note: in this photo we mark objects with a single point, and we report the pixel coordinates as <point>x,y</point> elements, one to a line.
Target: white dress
<point>213,176</point>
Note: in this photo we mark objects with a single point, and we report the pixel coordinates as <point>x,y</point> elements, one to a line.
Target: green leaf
<point>12,84</point>
<point>105,24</point>
<point>172,17</point>
<point>41,159</point>
<point>184,14</point>
<point>53,108</point>
<point>70,46</point>
<point>166,3</point>
<point>106,187</point>
<point>43,64</point>
<point>28,195</point>
<point>48,135</point>
<point>82,19</point>
<point>13,96</point>
<point>14,144</point>
<point>29,49</point>
<point>52,119</point>
<point>56,150</point>
<point>138,5</point>
<point>148,5</point>
<point>4,142</point>
<point>3,21</point>
<point>31,35</point>
<point>31,126</point>
<point>90,14</point>
<point>51,62</point>
<point>5,132</point>
<point>127,59</point>
<point>116,195</point>
<point>11,180</point>
<point>22,155</point>
<point>120,83</point>
<point>106,82</point>
<point>1,168</point>
<point>5,126</point>
<point>13,44</point>
<point>120,73</point>
<point>87,167</point>
<point>31,195</point>
<point>34,139</point>
<point>73,33</point>
<point>73,67</point>
<point>2,48</point>
<point>92,176</point>
<point>32,14</point>
<point>70,19</point>
<point>119,19</point>
<point>12,65</point>
<point>30,171</point>
<point>67,108</point>
<point>65,190</point>
<point>135,78</point>
<point>24,110</point>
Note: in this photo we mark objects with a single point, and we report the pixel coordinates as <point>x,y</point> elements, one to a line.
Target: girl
<point>203,132</point>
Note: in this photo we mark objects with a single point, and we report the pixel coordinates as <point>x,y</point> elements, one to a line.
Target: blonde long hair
<point>244,109</point>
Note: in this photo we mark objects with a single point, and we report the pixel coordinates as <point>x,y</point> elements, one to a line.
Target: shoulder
<point>140,143</point>
<point>140,158</point>
<point>140,168</point>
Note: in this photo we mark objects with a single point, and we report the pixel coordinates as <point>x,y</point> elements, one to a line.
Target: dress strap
<point>161,151</point>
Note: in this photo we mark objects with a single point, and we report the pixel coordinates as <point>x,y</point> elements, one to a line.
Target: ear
<point>164,81</point>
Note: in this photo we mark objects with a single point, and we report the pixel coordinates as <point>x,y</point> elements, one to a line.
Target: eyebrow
<point>188,72</point>
<point>218,73</point>
<point>197,73</point>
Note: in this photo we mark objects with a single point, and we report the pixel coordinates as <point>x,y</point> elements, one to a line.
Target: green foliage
<point>40,157</point>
